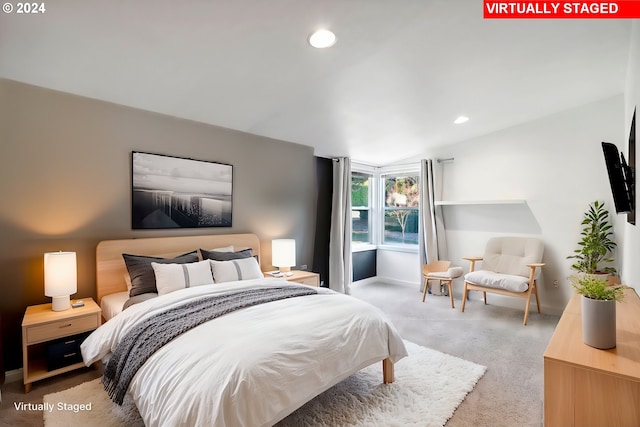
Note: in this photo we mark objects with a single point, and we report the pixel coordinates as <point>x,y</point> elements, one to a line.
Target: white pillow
<point>236,269</point>
<point>225,249</point>
<point>171,277</point>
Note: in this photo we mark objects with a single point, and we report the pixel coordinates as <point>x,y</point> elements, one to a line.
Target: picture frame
<point>177,192</point>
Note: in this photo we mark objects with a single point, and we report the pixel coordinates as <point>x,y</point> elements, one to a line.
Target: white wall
<point>399,267</point>
<point>554,163</point>
<point>631,249</point>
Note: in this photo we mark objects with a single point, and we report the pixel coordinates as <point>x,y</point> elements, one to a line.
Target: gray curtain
<point>431,237</point>
<point>340,268</point>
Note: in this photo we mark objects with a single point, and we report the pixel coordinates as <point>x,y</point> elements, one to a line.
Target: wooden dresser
<point>584,386</point>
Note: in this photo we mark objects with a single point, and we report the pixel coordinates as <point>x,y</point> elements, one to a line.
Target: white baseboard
<point>366,281</point>
<point>13,376</point>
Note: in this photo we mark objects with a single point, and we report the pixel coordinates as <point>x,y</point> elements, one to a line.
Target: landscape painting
<point>174,192</point>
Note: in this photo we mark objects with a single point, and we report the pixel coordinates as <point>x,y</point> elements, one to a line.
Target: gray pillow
<point>143,279</point>
<point>225,256</point>
<point>138,298</point>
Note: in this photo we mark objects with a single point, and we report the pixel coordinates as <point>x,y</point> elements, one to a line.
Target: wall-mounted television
<point>631,217</point>
<point>620,178</point>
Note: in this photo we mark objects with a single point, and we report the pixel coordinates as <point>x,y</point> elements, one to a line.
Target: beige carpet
<point>429,387</point>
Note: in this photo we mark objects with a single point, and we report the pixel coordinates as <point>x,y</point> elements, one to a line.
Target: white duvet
<point>254,366</point>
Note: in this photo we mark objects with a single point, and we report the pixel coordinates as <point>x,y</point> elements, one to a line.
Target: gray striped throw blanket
<point>148,336</point>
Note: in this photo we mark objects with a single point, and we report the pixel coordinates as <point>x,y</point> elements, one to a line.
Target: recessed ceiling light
<point>322,38</point>
<point>461,119</point>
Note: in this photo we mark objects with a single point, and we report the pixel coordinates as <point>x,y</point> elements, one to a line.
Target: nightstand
<point>43,329</point>
<point>304,277</point>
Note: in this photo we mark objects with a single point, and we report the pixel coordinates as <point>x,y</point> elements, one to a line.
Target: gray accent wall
<point>364,265</point>
<point>65,184</point>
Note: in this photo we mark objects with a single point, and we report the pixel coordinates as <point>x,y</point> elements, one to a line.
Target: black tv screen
<point>619,177</point>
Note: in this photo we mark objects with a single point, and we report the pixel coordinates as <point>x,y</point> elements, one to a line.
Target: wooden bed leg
<point>387,371</point>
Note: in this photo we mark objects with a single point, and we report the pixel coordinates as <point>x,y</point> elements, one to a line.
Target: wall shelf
<point>480,202</point>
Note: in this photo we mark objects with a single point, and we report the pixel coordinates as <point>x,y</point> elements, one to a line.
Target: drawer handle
<point>69,355</point>
<point>66,326</point>
<point>70,342</point>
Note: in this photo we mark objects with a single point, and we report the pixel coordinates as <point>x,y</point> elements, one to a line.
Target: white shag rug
<point>428,388</point>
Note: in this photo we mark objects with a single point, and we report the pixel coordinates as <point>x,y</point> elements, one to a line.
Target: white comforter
<point>254,366</point>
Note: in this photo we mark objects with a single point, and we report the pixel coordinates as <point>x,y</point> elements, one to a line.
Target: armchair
<point>432,267</point>
<point>440,271</point>
<point>510,266</point>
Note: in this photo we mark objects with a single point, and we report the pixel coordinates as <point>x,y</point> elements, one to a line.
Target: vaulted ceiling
<point>399,74</point>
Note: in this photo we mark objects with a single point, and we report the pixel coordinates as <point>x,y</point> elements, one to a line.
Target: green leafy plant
<point>596,242</point>
<point>594,288</point>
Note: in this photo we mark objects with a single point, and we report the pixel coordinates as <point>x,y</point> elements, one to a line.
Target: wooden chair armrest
<point>532,271</point>
<point>472,260</point>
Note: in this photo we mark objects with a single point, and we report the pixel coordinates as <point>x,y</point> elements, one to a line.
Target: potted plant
<point>596,242</point>
<point>598,310</point>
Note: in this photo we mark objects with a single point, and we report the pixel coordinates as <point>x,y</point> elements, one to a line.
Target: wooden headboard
<point>111,269</point>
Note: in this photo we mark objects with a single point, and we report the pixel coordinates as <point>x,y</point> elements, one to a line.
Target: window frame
<point>360,246</point>
<point>377,208</point>
<point>385,173</point>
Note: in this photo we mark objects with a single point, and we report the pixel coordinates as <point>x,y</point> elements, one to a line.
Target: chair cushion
<point>451,273</point>
<point>490,279</point>
<point>510,255</point>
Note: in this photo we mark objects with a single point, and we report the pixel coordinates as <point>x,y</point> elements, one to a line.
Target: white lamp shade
<point>60,278</point>
<point>283,253</point>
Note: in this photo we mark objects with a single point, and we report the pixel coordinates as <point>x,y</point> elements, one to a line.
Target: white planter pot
<point>598,323</point>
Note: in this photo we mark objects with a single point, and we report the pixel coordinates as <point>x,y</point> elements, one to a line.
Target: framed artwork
<point>175,192</point>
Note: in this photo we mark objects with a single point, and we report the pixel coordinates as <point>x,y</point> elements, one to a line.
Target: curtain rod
<point>449,159</point>
<point>386,166</point>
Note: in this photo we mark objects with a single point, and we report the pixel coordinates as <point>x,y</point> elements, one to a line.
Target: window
<point>401,200</point>
<point>384,208</point>
<point>360,207</point>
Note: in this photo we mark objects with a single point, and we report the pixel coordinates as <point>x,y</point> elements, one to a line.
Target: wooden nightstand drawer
<point>312,281</point>
<point>300,276</point>
<point>61,328</point>
<point>304,277</point>
<point>65,351</point>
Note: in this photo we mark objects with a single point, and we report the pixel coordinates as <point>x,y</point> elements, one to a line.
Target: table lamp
<point>283,254</point>
<point>60,278</point>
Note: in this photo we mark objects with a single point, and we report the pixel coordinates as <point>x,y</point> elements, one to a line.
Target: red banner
<point>622,9</point>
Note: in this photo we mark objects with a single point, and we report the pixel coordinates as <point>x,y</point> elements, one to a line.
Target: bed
<point>250,367</point>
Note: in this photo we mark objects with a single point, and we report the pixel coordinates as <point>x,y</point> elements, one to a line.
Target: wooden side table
<point>304,277</point>
<point>585,386</point>
<point>299,276</point>
<point>41,326</point>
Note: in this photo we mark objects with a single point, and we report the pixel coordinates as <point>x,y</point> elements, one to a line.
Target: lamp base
<point>284,269</point>
<point>60,303</point>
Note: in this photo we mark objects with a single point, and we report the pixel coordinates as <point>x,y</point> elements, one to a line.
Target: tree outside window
<point>401,209</point>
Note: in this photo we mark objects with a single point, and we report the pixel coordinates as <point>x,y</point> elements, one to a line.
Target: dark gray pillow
<point>225,256</point>
<point>138,298</point>
<point>143,279</point>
